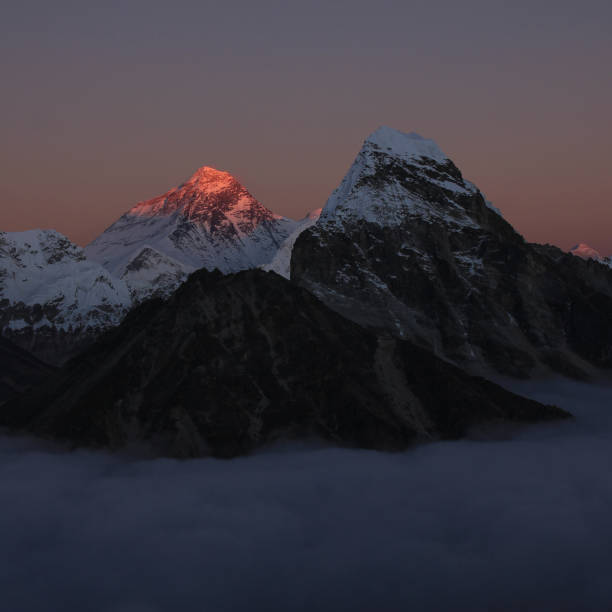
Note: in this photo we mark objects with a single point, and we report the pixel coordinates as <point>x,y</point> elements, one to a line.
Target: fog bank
<point>521,523</point>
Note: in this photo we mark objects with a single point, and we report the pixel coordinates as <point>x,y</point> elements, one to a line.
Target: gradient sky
<point>108,103</point>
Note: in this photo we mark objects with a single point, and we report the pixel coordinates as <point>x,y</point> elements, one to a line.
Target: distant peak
<point>36,236</point>
<point>410,145</point>
<point>585,251</point>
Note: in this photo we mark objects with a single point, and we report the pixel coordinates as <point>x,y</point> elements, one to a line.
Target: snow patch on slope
<point>150,272</point>
<point>281,264</point>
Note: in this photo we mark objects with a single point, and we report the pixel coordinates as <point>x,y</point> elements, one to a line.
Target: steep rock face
<point>53,300</point>
<point>231,362</point>
<point>210,221</point>
<point>19,370</point>
<point>408,245</point>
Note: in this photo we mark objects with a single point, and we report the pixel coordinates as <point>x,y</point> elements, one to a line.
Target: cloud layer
<point>519,522</point>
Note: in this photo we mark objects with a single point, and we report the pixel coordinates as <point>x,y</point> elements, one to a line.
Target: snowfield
<point>42,269</point>
<point>521,522</point>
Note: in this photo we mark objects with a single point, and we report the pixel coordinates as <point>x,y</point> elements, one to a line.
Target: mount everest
<point>210,221</point>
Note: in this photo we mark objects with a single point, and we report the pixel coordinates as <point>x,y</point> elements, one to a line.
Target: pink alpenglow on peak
<point>209,221</point>
<point>586,252</point>
<point>206,197</point>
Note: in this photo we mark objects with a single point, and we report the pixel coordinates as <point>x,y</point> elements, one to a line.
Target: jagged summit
<point>412,145</point>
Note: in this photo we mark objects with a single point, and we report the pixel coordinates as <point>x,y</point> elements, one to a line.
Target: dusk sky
<point>105,104</point>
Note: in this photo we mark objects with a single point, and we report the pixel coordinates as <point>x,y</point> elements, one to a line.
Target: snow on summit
<point>209,221</point>
<point>585,251</point>
<point>203,196</point>
<point>382,185</point>
<point>409,146</point>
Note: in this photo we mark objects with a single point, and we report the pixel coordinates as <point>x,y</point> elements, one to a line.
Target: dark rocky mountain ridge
<point>229,363</point>
<point>19,370</point>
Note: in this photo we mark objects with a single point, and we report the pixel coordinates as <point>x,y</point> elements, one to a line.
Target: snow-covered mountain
<point>586,252</point>
<point>210,221</point>
<point>408,245</point>
<point>281,263</point>
<point>360,197</point>
<point>52,299</point>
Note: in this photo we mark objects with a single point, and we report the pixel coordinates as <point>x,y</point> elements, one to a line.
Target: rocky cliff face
<point>406,244</point>
<point>210,221</point>
<point>231,362</point>
<point>53,301</point>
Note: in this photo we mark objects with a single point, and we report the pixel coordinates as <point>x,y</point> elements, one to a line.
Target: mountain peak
<point>409,146</point>
<point>586,252</point>
<point>208,178</point>
<point>371,189</point>
<point>206,196</point>
<point>208,221</point>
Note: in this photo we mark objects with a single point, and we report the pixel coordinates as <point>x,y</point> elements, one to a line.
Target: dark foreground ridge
<point>19,370</point>
<point>229,363</point>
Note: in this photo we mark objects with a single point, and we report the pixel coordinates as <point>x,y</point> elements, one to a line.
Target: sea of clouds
<point>516,523</point>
